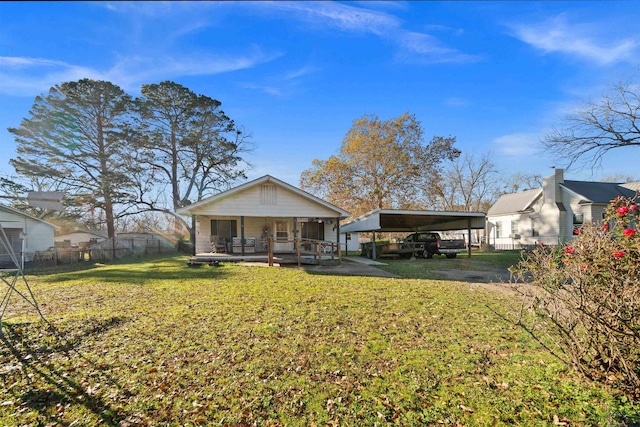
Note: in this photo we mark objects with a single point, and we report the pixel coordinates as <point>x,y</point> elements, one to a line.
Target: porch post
<point>193,235</point>
<point>295,237</point>
<point>242,234</point>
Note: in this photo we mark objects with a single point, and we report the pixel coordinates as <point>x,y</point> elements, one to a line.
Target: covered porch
<point>306,251</point>
<point>265,217</point>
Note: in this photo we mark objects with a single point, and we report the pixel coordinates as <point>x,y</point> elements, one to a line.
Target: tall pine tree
<point>76,137</point>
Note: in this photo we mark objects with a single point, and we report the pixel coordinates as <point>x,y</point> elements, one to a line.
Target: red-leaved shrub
<point>589,289</point>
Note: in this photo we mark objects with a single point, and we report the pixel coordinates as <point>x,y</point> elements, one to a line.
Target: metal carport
<point>397,220</point>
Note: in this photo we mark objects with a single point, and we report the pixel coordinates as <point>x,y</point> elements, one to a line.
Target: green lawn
<point>156,343</point>
<point>421,269</point>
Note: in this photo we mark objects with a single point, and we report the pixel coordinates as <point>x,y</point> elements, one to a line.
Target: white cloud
<point>30,76</point>
<point>412,46</point>
<point>271,90</point>
<point>20,62</point>
<point>455,101</point>
<point>581,40</point>
<point>282,85</point>
<point>24,76</point>
<point>420,46</point>
<point>337,15</point>
<point>517,144</point>
<point>300,72</point>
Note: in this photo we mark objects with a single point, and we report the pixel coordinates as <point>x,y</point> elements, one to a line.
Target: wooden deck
<point>262,257</point>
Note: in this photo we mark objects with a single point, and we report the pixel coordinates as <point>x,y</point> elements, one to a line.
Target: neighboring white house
<point>551,214</point>
<point>25,233</point>
<point>82,237</point>
<point>245,216</point>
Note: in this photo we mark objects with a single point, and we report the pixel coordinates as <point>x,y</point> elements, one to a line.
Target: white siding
<point>79,237</point>
<point>353,244</point>
<point>39,235</point>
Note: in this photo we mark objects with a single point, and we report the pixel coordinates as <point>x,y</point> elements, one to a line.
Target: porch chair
<point>218,245</point>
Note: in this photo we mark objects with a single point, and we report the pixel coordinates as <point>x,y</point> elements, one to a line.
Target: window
<point>534,228</point>
<point>498,229</point>
<point>578,220</point>
<point>514,227</point>
<point>282,230</point>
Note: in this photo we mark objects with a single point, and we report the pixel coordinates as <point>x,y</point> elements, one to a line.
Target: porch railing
<point>308,247</point>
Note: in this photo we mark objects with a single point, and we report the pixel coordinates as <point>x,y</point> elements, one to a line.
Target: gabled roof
<point>19,212</point>
<point>598,192</point>
<point>515,202</point>
<point>262,180</point>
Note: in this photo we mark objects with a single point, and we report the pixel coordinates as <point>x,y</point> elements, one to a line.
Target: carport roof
<point>395,220</point>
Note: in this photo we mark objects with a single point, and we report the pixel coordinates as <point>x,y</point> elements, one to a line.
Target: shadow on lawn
<point>131,274</point>
<point>47,385</point>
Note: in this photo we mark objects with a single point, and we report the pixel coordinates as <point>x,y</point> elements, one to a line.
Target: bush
<point>590,290</point>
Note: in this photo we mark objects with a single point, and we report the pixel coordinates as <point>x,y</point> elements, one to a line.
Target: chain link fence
<point>107,250</point>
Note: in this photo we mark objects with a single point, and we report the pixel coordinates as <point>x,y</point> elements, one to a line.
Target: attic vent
<point>268,194</point>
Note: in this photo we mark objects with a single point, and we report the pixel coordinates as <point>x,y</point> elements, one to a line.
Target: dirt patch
<point>347,268</point>
<point>495,280</point>
<point>498,275</point>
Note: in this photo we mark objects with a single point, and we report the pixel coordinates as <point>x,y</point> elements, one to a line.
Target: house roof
<point>19,212</point>
<point>515,202</point>
<point>391,220</point>
<point>262,180</point>
<point>598,192</point>
<point>97,233</point>
<point>634,186</point>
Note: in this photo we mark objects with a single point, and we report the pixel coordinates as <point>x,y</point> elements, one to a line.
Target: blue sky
<point>496,75</point>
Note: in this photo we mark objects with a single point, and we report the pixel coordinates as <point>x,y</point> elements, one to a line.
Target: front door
<point>282,236</point>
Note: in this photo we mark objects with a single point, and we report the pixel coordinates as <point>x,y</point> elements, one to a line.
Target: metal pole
<point>373,250</point>
<point>469,238</point>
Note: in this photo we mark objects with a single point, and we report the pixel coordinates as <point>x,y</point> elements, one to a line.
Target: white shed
<point>24,232</point>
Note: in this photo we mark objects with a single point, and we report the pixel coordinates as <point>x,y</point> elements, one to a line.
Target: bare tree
<point>519,182</point>
<point>619,177</point>
<point>595,128</point>
<point>468,185</point>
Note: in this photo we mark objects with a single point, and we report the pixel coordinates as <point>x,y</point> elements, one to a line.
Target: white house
<point>25,233</point>
<point>551,214</point>
<point>243,218</point>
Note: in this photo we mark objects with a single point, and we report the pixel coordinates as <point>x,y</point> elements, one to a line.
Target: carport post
<point>345,241</point>
<point>469,238</point>
<point>373,242</point>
